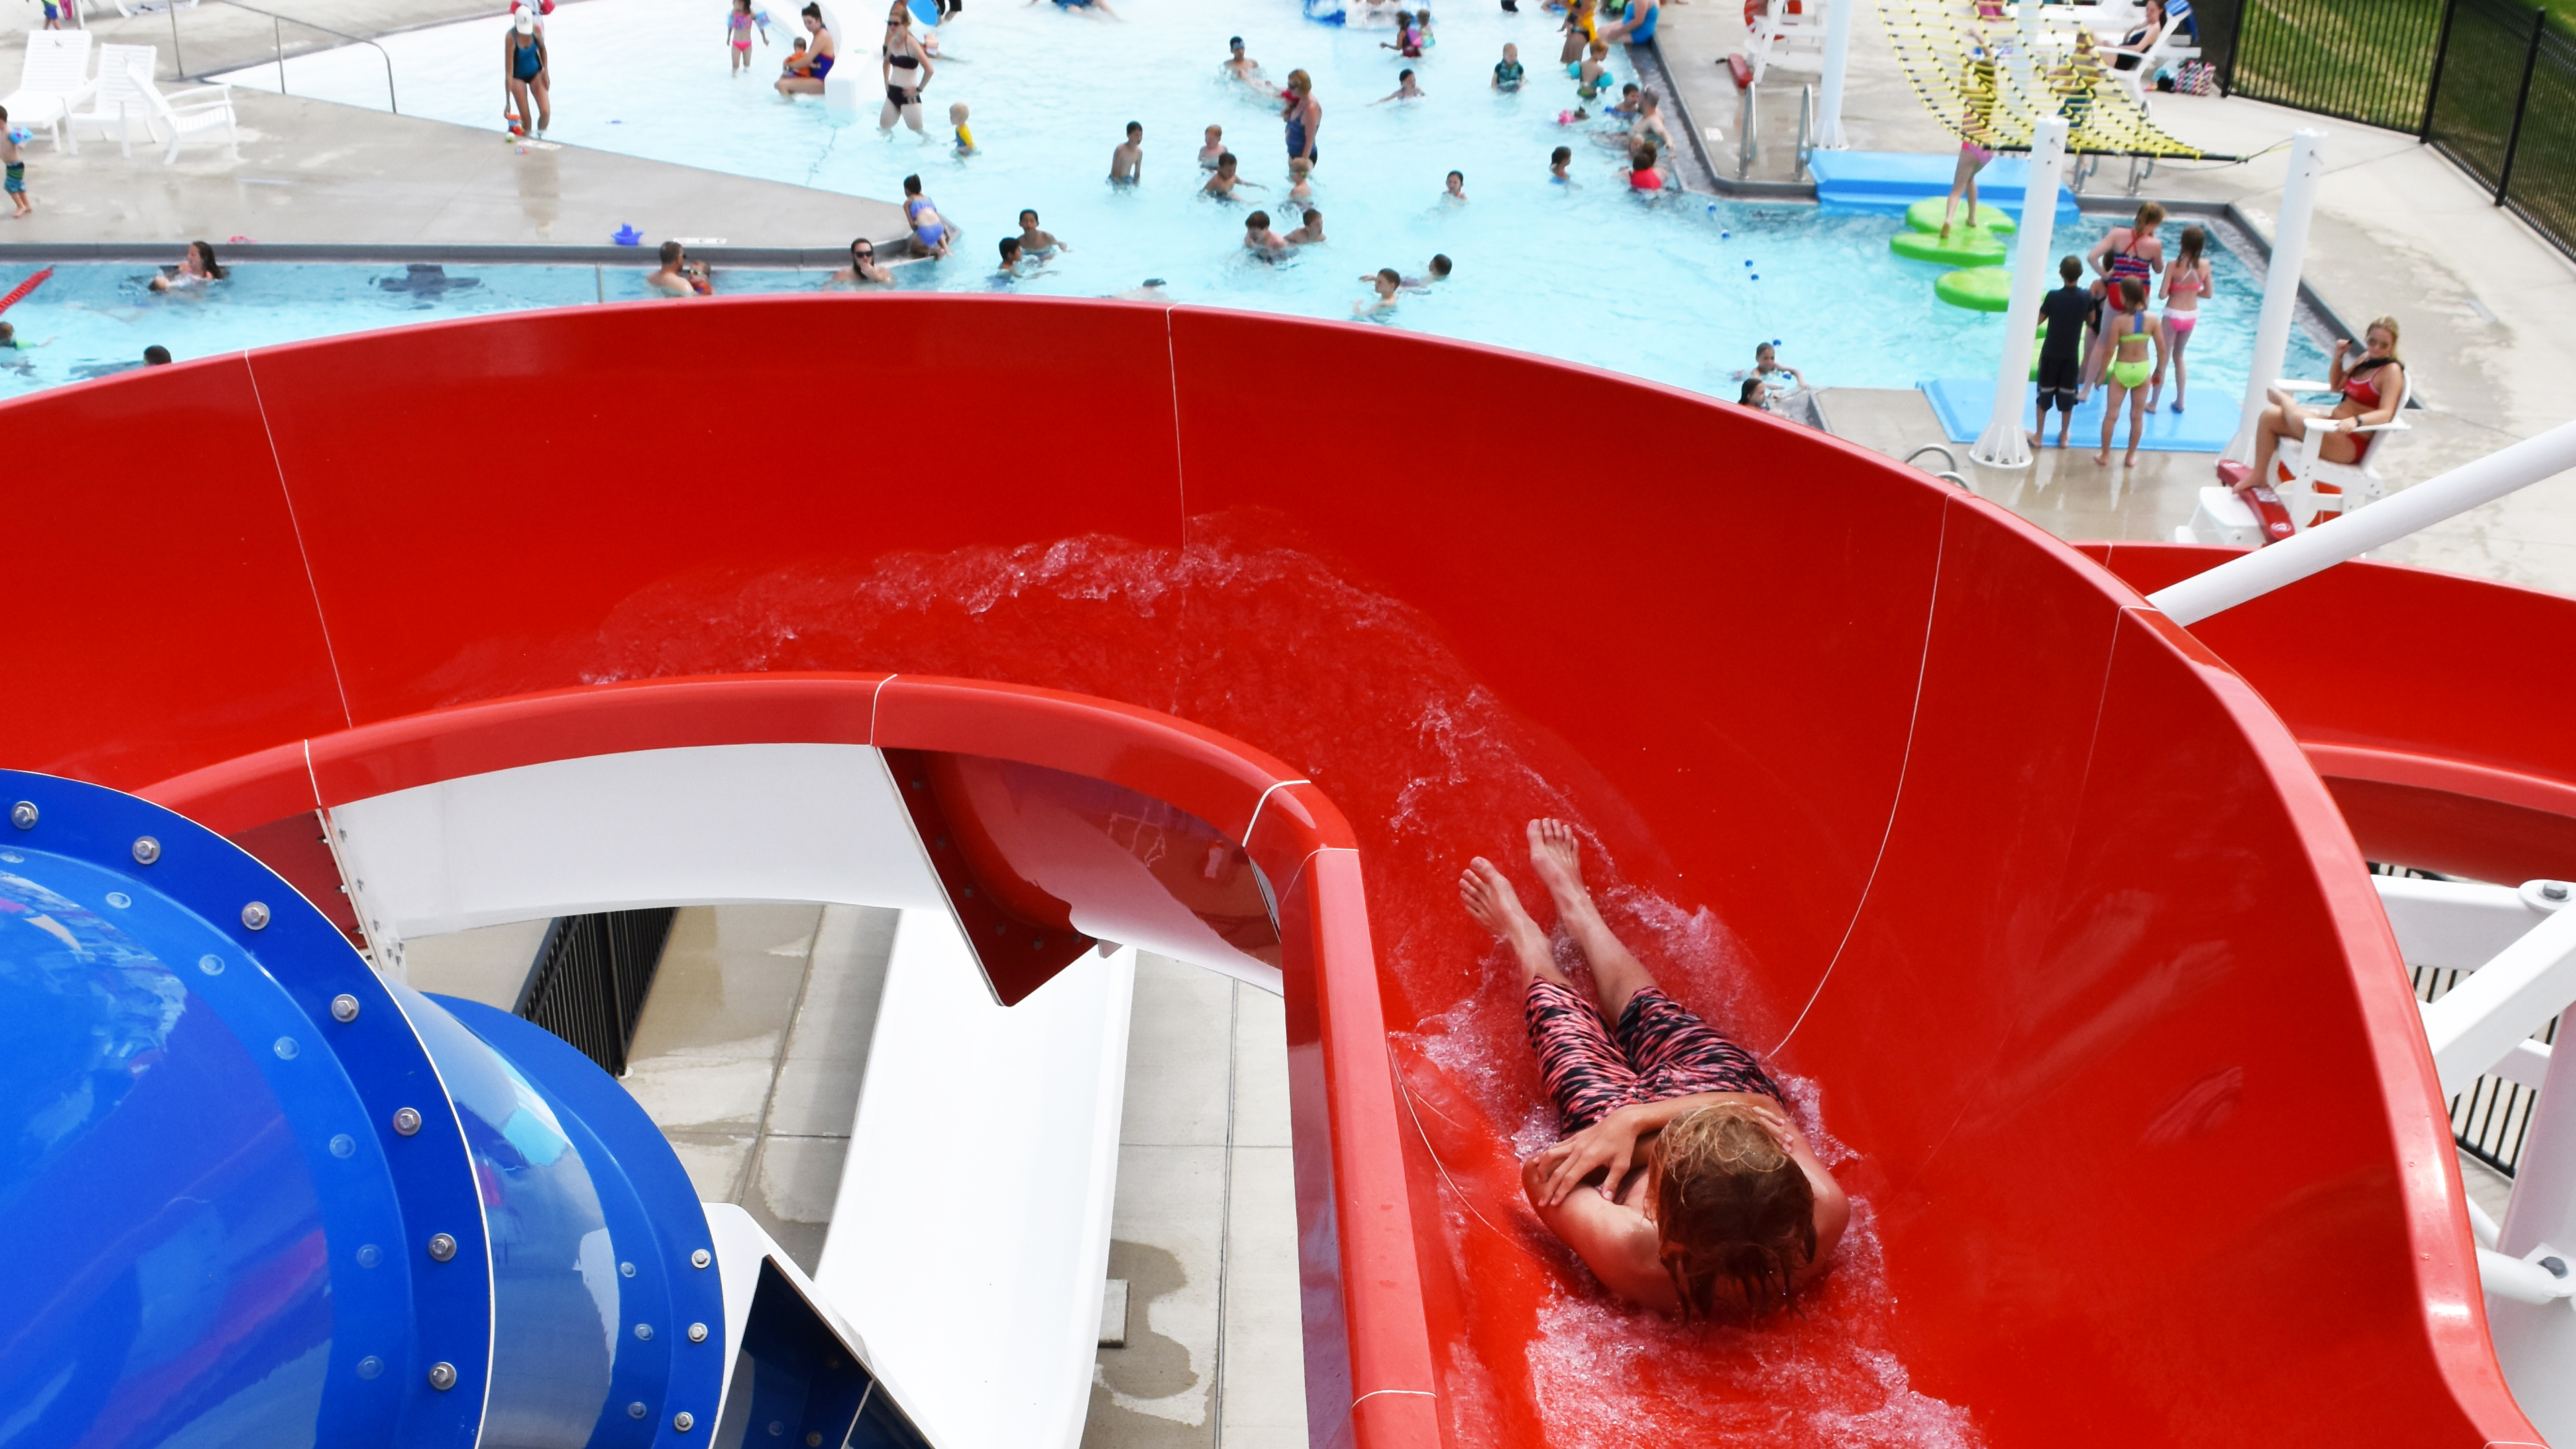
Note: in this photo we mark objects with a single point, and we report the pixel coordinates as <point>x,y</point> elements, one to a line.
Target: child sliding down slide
<point>1680,1182</point>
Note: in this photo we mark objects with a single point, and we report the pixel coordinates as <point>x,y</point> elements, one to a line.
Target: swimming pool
<point>1678,290</point>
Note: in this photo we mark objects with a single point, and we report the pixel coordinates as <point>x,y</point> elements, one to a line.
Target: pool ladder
<point>1951,472</point>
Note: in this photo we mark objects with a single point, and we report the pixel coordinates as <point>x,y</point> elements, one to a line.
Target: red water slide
<point>2064,945</point>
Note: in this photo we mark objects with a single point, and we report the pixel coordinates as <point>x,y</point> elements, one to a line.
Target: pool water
<point>93,319</point>
<point>1677,289</point>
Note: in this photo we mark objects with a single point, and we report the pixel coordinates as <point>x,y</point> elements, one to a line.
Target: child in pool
<point>1310,233</point>
<point>738,37</point>
<point>1507,71</point>
<point>1260,240</point>
<point>1408,37</point>
<point>1557,161</point>
<point>1385,285</point>
<point>1766,362</point>
<point>1457,192</point>
<point>1595,77</point>
<point>1625,108</point>
<point>1127,163</point>
<point>794,64</point>
<point>957,114</point>
<point>1754,395</point>
<point>1035,241</point>
<point>1301,187</point>
<point>1213,150</point>
<point>1643,174</point>
<point>1225,180</point>
<point>1681,1181</point>
<point>1405,90</point>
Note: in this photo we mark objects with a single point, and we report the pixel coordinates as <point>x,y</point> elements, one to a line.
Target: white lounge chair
<point>118,105</point>
<point>203,114</point>
<point>53,79</point>
<point>152,7</point>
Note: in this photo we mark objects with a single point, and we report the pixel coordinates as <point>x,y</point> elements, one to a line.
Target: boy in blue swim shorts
<point>16,164</point>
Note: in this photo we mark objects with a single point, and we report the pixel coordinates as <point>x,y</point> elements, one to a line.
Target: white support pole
<point>2478,1022</point>
<point>2280,284</point>
<point>1829,91</point>
<point>2356,533</point>
<point>2004,444</point>
<point>2535,1336</point>
<point>840,88</point>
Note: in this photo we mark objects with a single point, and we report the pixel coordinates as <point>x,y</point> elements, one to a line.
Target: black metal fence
<point>590,979</point>
<point>2490,83</point>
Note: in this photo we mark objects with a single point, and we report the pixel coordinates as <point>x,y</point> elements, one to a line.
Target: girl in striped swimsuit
<point>1681,1181</point>
<point>2125,254</point>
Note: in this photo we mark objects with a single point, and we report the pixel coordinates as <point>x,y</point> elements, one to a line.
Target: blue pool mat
<point>1891,181</point>
<point>1964,404</point>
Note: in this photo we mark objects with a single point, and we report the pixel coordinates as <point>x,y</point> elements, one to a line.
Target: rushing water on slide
<point>1270,644</point>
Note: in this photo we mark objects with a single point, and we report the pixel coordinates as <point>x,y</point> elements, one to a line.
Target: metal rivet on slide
<point>697,1333</point>
<point>406,1120</point>
<point>441,1247</point>
<point>637,1410</point>
<point>684,1421</point>
<point>146,850</point>
<point>23,814</point>
<point>700,1258</point>
<point>255,915</point>
<point>344,1007</point>
<point>2555,890</point>
<point>442,1376</point>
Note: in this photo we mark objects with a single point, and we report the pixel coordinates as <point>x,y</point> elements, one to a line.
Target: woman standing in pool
<point>1304,116</point>
<point>906,69</point>
<point>524,75</point>
<point>2186,282</point>
<point>2128,332</point>
<point>807,80</point>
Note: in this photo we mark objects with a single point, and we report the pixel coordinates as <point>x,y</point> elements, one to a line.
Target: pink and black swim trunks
<point>1659,1050</point>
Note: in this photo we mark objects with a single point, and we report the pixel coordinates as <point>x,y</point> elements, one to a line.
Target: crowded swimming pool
<point>1677,290</point>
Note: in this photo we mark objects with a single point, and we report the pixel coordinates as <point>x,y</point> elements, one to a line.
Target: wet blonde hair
<point>2150,216</point>
<point>1731,1203</point>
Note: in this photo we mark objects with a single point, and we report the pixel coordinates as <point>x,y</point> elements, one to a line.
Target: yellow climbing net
<point>1990,76</point>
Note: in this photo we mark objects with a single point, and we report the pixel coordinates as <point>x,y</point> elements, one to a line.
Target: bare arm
<point>1612,1143</point>
<point>1615,1242</point>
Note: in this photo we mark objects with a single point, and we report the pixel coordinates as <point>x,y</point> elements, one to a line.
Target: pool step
<point>1891,181</point>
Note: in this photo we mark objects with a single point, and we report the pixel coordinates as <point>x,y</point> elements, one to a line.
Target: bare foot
<point>1488,896</point>
<point>2102,459</point>
<point>2130,461</point>
<point>1556,853</point>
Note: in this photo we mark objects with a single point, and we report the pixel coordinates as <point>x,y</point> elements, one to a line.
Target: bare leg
<point>2110,419</point>
<point>2137,425</point>
<point>1489,897</point>
<point>2282,421</point>
<point>1555,855</point>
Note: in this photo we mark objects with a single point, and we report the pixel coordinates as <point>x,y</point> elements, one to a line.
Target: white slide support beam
<point>2004,444</point>
<point>2280,284</point>
<point>2454,925</point>
<point>980,1289</point>
<point>2353,534</point>
<point>2478,1023</point>
<point>1829,89</point>
<point>2532,1324</point>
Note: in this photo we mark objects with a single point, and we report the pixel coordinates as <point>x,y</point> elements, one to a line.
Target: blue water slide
<point>257,1195</point>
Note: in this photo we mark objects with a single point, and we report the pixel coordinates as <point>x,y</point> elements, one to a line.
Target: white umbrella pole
<point>2004,444</point>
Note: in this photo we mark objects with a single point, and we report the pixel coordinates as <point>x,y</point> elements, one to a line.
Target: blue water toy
<point>21,135</point>
<point>926,11</point>
<point>627,236</point>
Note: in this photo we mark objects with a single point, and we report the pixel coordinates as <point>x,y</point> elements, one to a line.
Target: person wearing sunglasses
<point>863,267</point>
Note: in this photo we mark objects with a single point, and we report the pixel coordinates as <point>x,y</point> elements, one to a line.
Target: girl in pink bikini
<point>2186,282</point>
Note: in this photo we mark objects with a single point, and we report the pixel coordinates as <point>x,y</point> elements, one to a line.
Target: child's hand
<point>1610,1142</point>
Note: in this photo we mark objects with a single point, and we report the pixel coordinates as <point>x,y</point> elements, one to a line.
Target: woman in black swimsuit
<point>906,69</point>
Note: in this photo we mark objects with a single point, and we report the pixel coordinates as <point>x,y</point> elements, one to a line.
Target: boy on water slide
<point>1681,1181</point>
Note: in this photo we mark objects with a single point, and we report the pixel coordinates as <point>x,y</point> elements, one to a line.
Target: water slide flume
<point>2062,1090</point>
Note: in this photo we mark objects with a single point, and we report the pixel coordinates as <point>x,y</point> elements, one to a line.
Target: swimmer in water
<point>1457,191</point>
<point>1037,242</point>
<point>1226,180</point>
<point>1386,283</point>
<point>863,267</point>
<point>1215,148</point>
<point>1405,90</point>
<point>1437,272</point>
<point>1309,234</point>
<point>1260,240</point>
<point>1507,71</point>
<point>957,114</point>
<point>1127,163</point>
<point>1300,176</point>
<point>1557,161</point>
<point>1681,1181</point>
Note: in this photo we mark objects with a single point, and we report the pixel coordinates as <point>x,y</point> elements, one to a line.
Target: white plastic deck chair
<point>152,7</point>
<point>118,105</point>
<point>2316,490</point>
<point>2168,48</point>
<point>53,79</point>
<point>1774,27</point>
<point>203,114</point>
